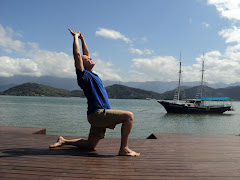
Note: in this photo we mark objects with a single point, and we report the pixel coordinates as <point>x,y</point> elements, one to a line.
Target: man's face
<point>87,62</point>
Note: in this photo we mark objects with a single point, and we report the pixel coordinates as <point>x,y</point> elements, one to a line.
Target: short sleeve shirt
<point>94,90</point>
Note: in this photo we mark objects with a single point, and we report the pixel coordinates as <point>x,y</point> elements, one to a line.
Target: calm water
<point>67,116</point>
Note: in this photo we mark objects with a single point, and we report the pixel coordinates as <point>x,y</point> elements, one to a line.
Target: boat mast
<point>179,80</point>
<point>202,76</point>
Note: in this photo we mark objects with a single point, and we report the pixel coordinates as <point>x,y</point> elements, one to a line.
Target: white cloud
<point>106,71</point>
<point>140,52</point>
<point>228,8</point>
<point>17,66</point>
<point>135,51</point>
<point>39,62</point>
<point>148,51</point>
<point>233,52</point>
<point>51,63</point>
<point>218,68</point>
<point>140,40</point>
<point>231,34</point>
<point>7,42</point>
<point>156,68</point>
<point>224,67</point>
<point>112,34</point>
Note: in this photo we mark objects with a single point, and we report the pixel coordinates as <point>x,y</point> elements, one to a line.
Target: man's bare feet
<point>127,152</point>
<point>59,142</point>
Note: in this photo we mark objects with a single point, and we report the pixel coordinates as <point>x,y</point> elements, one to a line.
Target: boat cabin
<point>210,102</point>
<point>193,102</point>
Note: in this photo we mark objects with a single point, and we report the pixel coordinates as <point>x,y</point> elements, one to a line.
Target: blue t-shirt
<point>94,90</point>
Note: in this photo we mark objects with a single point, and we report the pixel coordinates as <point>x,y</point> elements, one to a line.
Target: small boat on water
<point>202,105</point>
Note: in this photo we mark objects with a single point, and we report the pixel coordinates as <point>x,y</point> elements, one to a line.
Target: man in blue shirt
<point>100,115</point>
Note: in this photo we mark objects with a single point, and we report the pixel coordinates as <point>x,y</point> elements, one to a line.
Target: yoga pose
<point>99,113</point>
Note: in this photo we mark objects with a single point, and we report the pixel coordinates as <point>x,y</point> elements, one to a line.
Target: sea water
<point>67,117</point>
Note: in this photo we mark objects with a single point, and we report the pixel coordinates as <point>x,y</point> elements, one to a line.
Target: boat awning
<point>214,98</point>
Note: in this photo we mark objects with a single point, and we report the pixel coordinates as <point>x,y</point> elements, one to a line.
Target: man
<point>100,116</point>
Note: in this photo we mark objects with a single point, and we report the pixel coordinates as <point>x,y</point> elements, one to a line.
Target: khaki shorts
<point>102,119</point>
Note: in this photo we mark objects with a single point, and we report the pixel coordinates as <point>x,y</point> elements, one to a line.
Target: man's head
<point>87,62</point>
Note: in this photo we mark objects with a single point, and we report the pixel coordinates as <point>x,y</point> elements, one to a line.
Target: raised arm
<point>84,46</point>
<point>76,51</point>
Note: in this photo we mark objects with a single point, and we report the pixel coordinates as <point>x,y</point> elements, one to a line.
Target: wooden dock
<point>25,155</point>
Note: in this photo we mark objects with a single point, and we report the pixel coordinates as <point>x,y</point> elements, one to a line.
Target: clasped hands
<point>78,34</point>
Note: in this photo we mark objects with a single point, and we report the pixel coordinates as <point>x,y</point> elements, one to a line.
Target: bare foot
<point>127,152</point>
<point>59,142</point>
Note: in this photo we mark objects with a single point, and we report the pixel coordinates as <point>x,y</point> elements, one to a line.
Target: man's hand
<point>81,36</point>
<point>75,34</point>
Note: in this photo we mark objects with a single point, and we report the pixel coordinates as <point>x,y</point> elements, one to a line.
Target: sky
<point>129,40</point>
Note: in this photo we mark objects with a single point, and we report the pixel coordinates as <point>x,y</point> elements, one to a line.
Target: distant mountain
<point>7,86</point>
<point>62,83</point>
<point>114,92</point>
<point>231,92</point>
<point>123,92</point>
<point>71,83</point>
<point>34,89</point>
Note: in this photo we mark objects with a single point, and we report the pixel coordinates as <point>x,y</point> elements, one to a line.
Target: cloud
<point>233,53</point>
<point>224,67</point>
<point>221,68</point>
<point>140,52</point>
<point>111,34</point>
<point>7,42</point>
<point>39,62</point>
<point>228,8</point>
<point>231,34</point>
<point>156,68</point>
<point>218,68</point>
<point>106,70</point>
<point>135,51</point>
<point>17,66</point>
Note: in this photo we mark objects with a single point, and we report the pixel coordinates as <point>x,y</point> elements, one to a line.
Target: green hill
<point>114,92</point>
<point>34,89</point>
<point>123,92</point>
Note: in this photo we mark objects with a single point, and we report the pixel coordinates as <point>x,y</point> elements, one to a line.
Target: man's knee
<point>129,116</point>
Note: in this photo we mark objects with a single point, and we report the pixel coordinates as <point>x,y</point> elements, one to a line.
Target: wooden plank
<point>170,156</point>
<point>27,130</point>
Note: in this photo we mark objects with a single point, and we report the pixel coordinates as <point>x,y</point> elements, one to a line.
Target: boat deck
<point>24,155</point>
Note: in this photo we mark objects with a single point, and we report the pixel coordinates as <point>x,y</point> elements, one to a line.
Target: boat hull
<point>172,107</point>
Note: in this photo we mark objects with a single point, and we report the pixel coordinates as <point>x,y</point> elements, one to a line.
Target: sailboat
<point>202,105</point>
